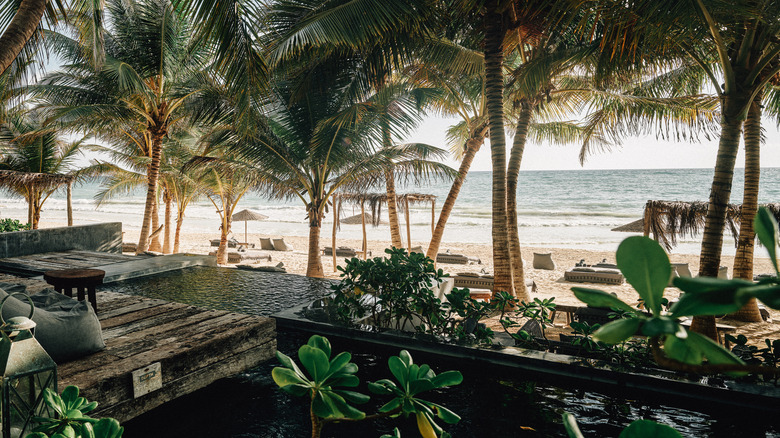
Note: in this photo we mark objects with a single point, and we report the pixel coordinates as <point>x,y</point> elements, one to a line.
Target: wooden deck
<point>36,264</point>
<point>194,347</point>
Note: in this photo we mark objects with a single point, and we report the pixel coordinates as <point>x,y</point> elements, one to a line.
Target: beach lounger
<point>342,251</point>
<point>231,243</point>
<point>238,257</point>
<point>129,247</point>
<point>263,268</point>
<point>594,275</point>
<point>266,244</point>
<point>280,245</point>
<point>473,280</point>
<point>456,259</point>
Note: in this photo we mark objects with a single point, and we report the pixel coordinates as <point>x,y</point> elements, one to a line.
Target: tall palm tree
<point>27,146</point>
<point>151,69</point>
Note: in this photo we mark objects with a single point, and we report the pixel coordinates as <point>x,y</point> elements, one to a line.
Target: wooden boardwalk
<point>36,264</point>
<point>194,347</point>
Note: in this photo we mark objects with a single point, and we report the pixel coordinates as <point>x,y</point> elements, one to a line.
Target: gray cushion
<point>65,327</point>
<point>266,244</point>
<point>543,261</point>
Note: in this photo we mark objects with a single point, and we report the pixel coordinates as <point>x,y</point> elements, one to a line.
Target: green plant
<point>585,336</point>
<point>8,224</point>
<point>751,354</point>
<point>538,310</point>
<point>646,267</point>
<point>71,420</point>
<point>637,429</point>
<point>329,402</point>
<point>397,292</point>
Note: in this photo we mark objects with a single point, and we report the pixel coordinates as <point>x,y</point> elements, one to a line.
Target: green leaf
<point>570,423</point>
<point>70,394</point>
<point>617,331</point>
<point>766,229</point>
<point>445,414</point>
<point>711,303</point>
<point>315,361</point>
<point>377,388</point>
<point>660,326</point>
<point>352,396</point>
<point>320,408</point>
<point>647,428</point>
<point>340,407</point>
<point>713,351</point>
<point>709,284</point>
<point>321,343</point>
<point>391,405</point>
<point>646,267</point>
<point>447,378</point>
<point>406,358</point>
<point>399,370</point>
<point>285,376</point>
<point>418,386</point>
<point>338,364</point>
<point>599,298</point>
<point>768,294</point>
<point>679,350</point>
<point>286,361</point>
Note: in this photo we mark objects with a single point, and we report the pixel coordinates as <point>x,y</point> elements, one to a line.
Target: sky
<point>636,153</point>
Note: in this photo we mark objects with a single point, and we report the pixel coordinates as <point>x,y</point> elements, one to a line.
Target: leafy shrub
<point>7,225</point>
<point>397,292</point>
<point>72,420</point>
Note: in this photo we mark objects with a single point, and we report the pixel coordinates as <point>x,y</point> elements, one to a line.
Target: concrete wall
<point>99,237</point>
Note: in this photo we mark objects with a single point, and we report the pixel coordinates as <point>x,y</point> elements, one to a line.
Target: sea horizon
<point>556,208</point>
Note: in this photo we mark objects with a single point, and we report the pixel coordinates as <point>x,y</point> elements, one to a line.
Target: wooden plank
<point>151,317</point>
<point>129,308</point>
<point>111,384</point>
<point>128,319</point>
<point>131,408</point>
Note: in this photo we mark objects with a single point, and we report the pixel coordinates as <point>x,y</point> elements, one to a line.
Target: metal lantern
<point>26,370</point>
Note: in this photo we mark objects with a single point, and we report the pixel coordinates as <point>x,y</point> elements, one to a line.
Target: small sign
<point>147,379</point>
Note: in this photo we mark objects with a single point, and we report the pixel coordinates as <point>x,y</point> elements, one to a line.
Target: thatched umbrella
<point>374,202</point>
<point>246,216</point>
<point>668,219</point>
<point>360,219</point>
<point>638,226</point>
<point>11,179</point>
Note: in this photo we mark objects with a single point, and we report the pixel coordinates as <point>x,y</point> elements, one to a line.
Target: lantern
<point>26,371</point>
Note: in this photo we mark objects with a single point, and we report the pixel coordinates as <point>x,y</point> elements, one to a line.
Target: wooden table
<point>83,280</point>
<point>566,309</point>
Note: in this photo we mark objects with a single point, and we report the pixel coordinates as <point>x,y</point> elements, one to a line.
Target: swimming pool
<point>491,401</point>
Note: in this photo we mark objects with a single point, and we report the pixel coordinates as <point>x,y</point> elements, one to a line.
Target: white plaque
<point>147,379</point>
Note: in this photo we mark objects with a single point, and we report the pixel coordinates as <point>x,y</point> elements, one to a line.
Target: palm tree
<point>151,69</point>
<point>27,146</point>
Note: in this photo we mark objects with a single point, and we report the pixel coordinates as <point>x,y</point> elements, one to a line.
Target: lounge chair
<point>594,275</point>
<point>266,244</point>
<point>280,245</point>
<point>456,259</point>
<point>263,268</point>
<point>342,251</point>
<point>231,243</point>
<point>129,247</point>
<point>238,257</point>
<point>473,280</point>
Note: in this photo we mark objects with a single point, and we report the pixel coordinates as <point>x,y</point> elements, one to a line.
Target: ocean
<point>563,209</point>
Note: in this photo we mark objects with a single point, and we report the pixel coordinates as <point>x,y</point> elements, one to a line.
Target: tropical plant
<point>8,224</point>
<point>327,380</point>
<point>646,267</point>
<point>139,91</point>
<point>71,420</point>
<point>28,146</point>
<point>397,292</point>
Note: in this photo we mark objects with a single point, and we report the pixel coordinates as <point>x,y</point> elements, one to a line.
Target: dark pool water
<point>492,401</point>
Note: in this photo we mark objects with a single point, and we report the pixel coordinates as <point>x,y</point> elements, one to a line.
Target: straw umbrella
<point>246,216</point>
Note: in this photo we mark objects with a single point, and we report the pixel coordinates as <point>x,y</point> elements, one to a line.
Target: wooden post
<point>408,227</point>
<point>363,221</point>
<point>70,203</point>
<point>335,222</point>
<point>646,219</point>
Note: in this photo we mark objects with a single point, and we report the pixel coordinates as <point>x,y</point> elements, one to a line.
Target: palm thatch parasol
<point>360,219</point>
<point>668,219</point>
<point>374,202</point>
<point>637,226</point>
<point>246,216</point>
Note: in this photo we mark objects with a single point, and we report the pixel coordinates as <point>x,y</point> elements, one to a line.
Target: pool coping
<point>680,391</point>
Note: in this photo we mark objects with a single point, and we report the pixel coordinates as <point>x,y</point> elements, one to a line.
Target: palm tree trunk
<point>179,221</point>
<point>392,202</point>
<point>154,244</point>
<point>712,239</point>
<point>30,200</point>
<point>314,261</point>
<point>494,90</point>
<point>36,212</point>
<point>512,176</point>
<point>222,251</point>
<point>167,236</point>
<point>19,31</point>
<point>151,193</point>
<point>743,260</point>
<point>70,204</point>
<point>472,147</point>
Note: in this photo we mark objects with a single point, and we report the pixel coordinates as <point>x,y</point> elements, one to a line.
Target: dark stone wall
<point>99,237</point>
